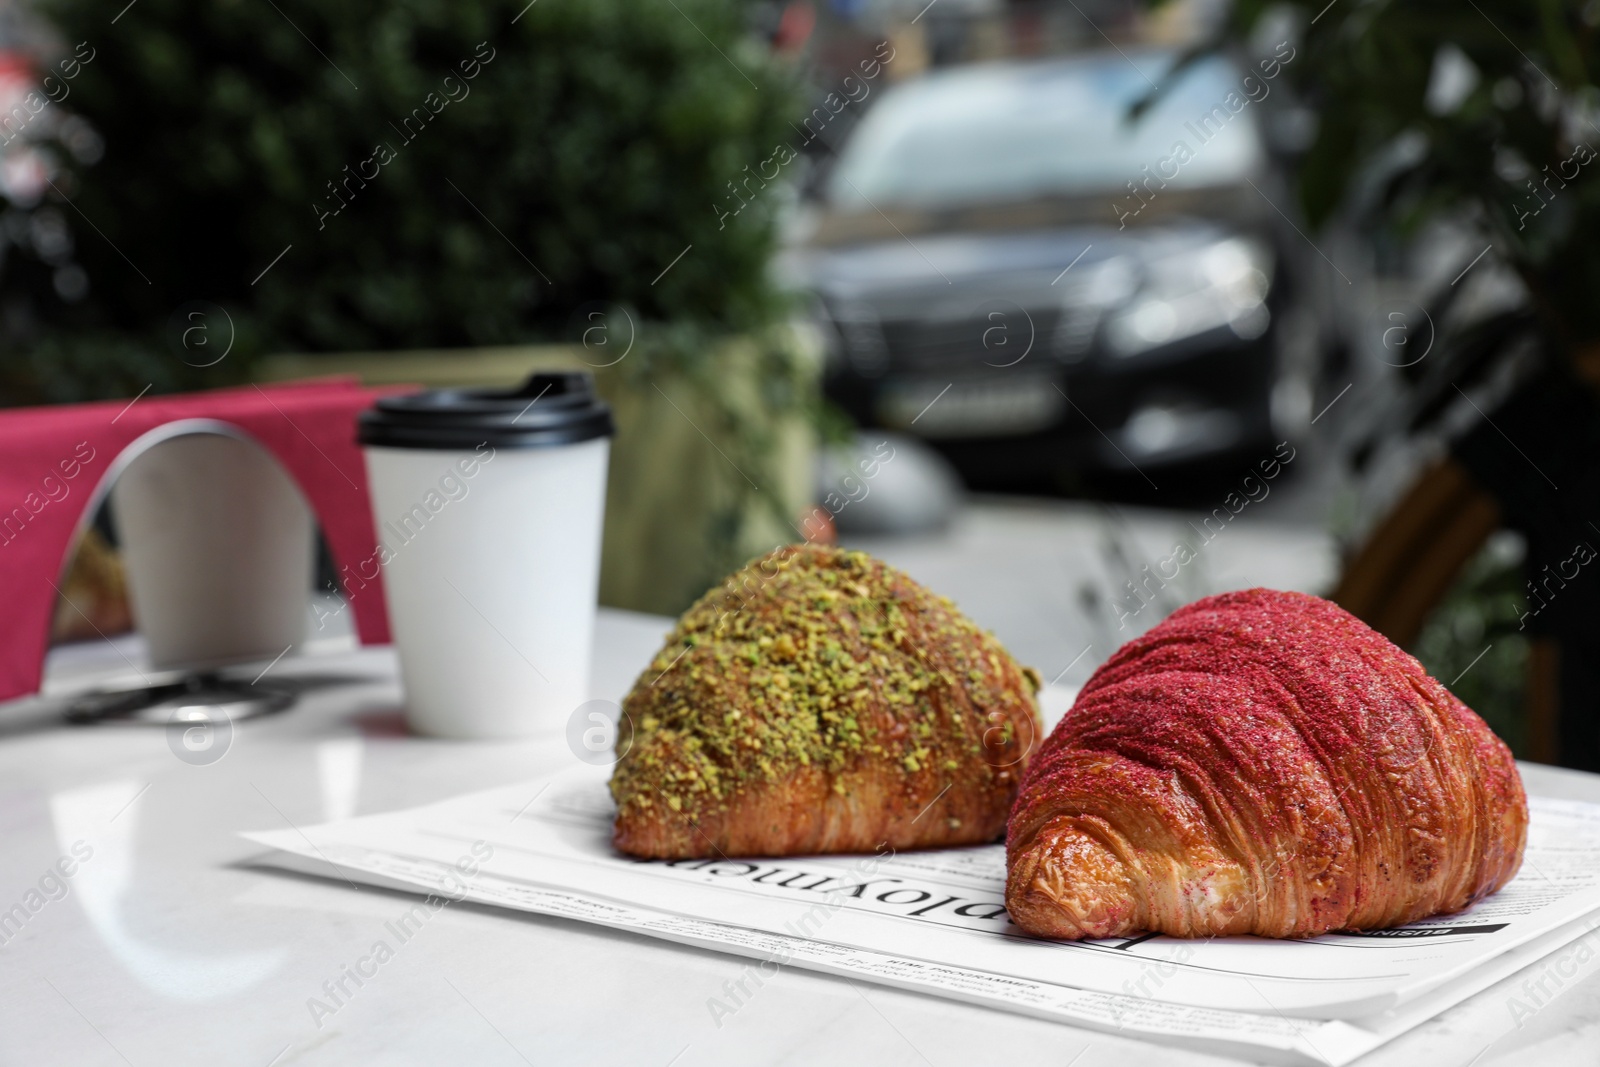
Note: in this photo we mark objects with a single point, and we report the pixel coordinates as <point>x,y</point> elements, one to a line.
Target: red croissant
<point>1261,763</point>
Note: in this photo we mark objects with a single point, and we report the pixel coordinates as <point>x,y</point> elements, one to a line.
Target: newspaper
<point>936,922</point>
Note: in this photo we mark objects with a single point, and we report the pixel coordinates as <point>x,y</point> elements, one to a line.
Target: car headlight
<point>1223,284</point>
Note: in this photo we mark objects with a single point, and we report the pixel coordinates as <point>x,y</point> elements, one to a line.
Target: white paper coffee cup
<point>488,506</point>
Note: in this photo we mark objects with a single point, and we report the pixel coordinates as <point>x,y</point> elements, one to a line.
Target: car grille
<point>998,339</point>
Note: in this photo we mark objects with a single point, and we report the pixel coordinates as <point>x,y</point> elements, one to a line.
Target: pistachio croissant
<point>821,701</point>
<point>1261,763</point>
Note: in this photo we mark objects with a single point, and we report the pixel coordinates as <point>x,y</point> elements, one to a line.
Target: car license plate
<point>1002,405</point>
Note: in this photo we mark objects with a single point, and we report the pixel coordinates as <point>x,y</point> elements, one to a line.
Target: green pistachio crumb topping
<point>814,657</point>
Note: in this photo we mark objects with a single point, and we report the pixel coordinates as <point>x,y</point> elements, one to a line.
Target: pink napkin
<point>55,464</point>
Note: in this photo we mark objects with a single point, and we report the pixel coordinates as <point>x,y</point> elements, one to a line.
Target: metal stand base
<point>197,696</point>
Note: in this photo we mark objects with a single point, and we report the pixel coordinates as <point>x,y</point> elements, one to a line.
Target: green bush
<point>1473,642</point>
<point>583,154</point>
<point>1514,155</point>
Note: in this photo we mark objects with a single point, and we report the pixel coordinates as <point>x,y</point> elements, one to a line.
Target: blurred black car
<point>1008,265</point>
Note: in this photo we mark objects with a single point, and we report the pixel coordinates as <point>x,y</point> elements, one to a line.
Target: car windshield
<point>1015,132</point>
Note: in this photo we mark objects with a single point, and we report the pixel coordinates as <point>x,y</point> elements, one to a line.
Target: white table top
<point>168,949</point>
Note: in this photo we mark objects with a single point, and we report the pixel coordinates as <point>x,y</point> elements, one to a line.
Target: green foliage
<point>1480,612</point>
<point>1513,153</point>
<point>1365,67</point>
<point>583,156</point>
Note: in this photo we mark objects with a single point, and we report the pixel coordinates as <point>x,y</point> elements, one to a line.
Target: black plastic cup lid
<point>547,409</point>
